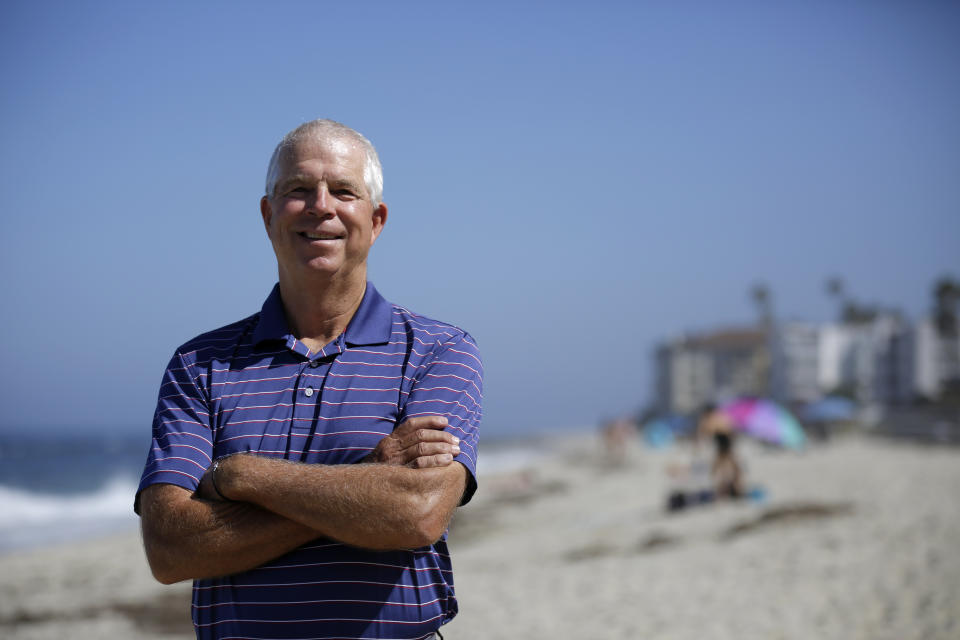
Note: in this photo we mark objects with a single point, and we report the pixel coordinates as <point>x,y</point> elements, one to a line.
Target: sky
<point>570,182</point>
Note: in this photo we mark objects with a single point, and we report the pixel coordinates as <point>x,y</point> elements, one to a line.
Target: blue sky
<point>570,182</point>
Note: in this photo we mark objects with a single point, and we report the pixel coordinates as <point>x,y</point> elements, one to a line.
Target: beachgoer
<point>726,475</point>
<point>725,471</point>
<point>306,460</point>
<point>616,435</point>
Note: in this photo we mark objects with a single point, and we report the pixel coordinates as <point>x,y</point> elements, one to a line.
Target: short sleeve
<point>181,446</point>
<point>451,385</point>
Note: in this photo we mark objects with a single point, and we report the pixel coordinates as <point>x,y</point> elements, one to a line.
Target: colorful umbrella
<point>830,409</point>
<point>765,420</point>
<point>663,431</point>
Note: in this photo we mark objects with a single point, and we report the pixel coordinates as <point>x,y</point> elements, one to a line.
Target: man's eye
<point>297,190</point>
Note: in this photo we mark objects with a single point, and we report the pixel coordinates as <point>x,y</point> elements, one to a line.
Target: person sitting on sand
<point>726,472</point>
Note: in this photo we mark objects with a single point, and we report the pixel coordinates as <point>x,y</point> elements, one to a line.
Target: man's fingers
<point>422,449</point>
<point>415,438</point>
<point>410,439</point>
<point>427,462</point>
<point>421,422</point>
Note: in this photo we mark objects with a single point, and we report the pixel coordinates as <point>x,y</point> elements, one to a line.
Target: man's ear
<point>379,219</point>
<point>266,212</point>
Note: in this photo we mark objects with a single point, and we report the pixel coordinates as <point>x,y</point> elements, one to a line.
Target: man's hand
<point>419,443</point>
<point>208,487</point>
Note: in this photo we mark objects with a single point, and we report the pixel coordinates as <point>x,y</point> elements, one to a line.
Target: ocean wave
<point>30,518</point>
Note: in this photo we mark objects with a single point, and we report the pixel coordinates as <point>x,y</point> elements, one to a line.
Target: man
<point>306,460</point>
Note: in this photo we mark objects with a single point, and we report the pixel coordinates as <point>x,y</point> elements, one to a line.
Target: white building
<point>866,360</point>
<point>835,359</point>
<point>795,362</point>
<point>921,352</point>
<point>883,362</point>
<point>699,369</point>
<point>934,359</point>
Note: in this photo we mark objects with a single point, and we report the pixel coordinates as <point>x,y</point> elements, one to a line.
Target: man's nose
<point>322,201</point>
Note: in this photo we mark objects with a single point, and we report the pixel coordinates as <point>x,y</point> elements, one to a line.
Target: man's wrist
<point>213,479</point>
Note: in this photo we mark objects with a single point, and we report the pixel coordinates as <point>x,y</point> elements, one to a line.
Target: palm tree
<point>760,294</point>
<point>837,291</point>
<point>850,311</point>
<point>946,295</point>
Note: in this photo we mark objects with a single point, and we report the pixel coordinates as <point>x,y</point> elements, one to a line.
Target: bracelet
<point>213,479</point>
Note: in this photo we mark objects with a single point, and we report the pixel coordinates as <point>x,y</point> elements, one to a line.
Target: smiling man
<point>306,460</point>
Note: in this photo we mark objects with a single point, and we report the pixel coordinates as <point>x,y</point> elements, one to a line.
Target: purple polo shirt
<point>251,386</point>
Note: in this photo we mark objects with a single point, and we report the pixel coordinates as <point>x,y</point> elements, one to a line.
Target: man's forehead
<point>339,158</point>
<point>336,150</point>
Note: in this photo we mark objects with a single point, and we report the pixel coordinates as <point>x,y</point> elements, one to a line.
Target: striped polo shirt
<point>252,386</point>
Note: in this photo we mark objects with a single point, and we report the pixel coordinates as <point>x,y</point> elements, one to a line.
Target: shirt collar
<point>273,320</point>
<point>373,321</point>
<point>371,324</point>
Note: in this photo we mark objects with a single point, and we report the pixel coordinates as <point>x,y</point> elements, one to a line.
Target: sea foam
<point>29,519</point>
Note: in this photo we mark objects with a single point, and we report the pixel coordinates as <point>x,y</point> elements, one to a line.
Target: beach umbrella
<point>765,420</point>
<point>830,409</point>
<point>663,431</point>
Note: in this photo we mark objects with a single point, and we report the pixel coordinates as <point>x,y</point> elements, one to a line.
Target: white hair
<point>322,130</point>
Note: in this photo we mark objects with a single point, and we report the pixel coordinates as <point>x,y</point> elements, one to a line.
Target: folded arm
<point>187,537</point>
<point>372,506</point>
<point>276,506</point>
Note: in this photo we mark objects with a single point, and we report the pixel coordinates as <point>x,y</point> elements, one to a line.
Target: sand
<point>854,539</point>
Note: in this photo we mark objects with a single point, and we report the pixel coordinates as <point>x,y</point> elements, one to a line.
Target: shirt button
<point>308,391</point>
<point>314,364</point>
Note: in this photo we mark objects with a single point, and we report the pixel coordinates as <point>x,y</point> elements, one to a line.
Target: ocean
<point>56,487</point>
<point>60,487</point>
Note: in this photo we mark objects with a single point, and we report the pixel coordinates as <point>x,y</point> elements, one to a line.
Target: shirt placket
<point>309,397</point>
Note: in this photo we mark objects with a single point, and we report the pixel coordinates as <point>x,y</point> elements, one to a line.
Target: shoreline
<point>854,539</point>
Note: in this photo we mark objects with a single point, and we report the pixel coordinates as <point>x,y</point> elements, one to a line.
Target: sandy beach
<point>853,539</point>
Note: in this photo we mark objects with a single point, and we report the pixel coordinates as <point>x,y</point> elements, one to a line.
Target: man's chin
<point>321,270</point>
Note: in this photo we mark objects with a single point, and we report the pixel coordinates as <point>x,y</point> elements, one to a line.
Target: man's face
<point>320,219</point>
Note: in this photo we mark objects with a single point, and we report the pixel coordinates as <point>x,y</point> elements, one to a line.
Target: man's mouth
<point>319,236</point>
